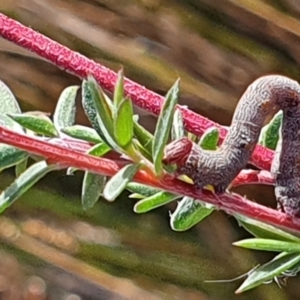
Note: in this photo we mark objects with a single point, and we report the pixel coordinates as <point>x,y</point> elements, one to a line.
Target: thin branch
<point>244,177</point>
<point>81,66</point>
<point>231,203</point>
<point>253,177</point>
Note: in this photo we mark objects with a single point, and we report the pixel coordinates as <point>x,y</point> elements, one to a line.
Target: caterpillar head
<point>178,151</point>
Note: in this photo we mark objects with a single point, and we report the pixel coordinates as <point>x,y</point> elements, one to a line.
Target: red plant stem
<point>83,147</point>
<point>244,177</point>
<point>81,66</point>
<point>253,177</point>
<point>231,203</point>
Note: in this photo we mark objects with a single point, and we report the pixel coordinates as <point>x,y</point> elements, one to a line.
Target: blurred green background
<point>52,249</point>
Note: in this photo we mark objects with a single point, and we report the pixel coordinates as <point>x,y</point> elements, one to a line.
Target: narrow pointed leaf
<point>119,181</point>
<point>268,271</point>
<point>10,156</point>
<point>163,127</point>
<point>99,149</point>
<point>144,137</point>
<point>210,139</point>
<point>141,149</point>
<point>9,103</point>
<point>39,124</point>
<point>123,123</point>
<point>98,110</point>
<point>82,133</point>
<point>189,213</point>
<point>7,122</point>
<point>89,107</point>
<point>119,90</point>
<point>25,181</point>
<point>65,110</point>
<point>103,108</point>
<point>266,231</point>
<point>268,245</point>
<point>142,189</point>
<point>92,188</point>
<point>21,167</point>
<point>159,199</point>
<point>270,133</point>
<point>177,126</point>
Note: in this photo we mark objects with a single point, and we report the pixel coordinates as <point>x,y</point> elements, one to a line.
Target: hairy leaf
<point>159,199</point>
<point>25,181</point>
<point>9,103</point>
<point>39,124</point>
<point>269,245</point>
<point>64,114</point>
<point>163,127</point>
<point>144,137</point>
<point>188,213</point>
<point>119,181</point>
<point>82,133</point>
<point>123,123</point>
<point>269,270</point>
<point>266,231</point>
<point>119,90</point>
<point>92,188</point>
<point>177,126</point>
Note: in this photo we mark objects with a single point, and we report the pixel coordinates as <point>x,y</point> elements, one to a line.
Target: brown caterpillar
<point>263,97</point>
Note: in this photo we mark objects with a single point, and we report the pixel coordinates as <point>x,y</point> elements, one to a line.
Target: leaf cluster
<point>116,128</point>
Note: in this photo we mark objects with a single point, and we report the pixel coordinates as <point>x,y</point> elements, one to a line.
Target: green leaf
<point>270,133</point>
<point>92,187</point>
<point>119,181</point>
<point>141,149</point>
<point>123,123</point>
<point>102,107</point>
<point>7,122</point>
<point>159,199</point>
<point>177,126</point>
<point>144,137</point>
<point>25,181</point>
<point>9,103</point>
<point>21,167</point>
<point>210,139</point>
<point>141,189</point>
<point>188,213</point>
<point>99,150</point>
<point>163,127</point>
<point>268,271</point>
<point>82,133</point>
<point>89,107</point>
<point>98,111</point>
<point>10,156</point>
<point>269,245</point>
<point>266,231</point>
<point>65,110</point>
<point>39,124</point>
<point>119,90</point>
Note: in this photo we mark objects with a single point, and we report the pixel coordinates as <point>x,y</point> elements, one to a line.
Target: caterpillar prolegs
<point>264,97</point>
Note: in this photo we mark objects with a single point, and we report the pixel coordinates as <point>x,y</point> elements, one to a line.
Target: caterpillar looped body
<point>264,97</point>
